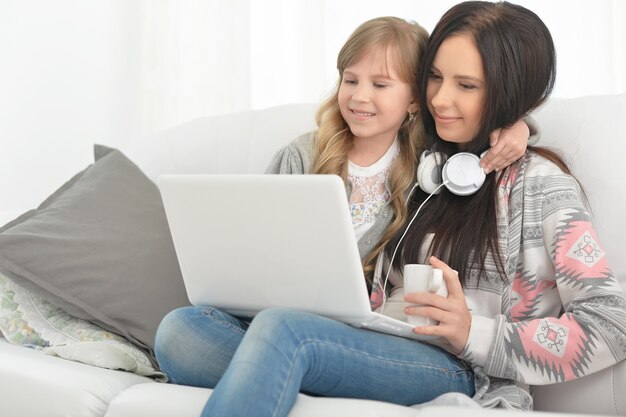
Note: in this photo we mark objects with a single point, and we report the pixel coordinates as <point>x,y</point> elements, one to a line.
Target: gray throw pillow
<point>100,249</point>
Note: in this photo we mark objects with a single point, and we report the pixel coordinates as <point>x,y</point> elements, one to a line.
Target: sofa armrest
<point>599,393</point>
<point>34,384</point>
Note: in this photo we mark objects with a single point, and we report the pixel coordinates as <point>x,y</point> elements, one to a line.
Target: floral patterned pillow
<point>30,320</point>
<point>12,324</point>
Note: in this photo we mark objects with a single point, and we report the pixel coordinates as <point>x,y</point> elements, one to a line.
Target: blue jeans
<point>259,370</point>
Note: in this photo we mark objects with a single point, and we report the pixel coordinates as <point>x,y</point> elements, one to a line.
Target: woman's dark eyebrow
<point>461,77</point>
<point>468,78</point>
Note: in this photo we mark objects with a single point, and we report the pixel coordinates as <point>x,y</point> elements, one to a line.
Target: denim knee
<point>167,338</point>
<point>194,345</point>
<point>274,321</point>
<point>169,328</point>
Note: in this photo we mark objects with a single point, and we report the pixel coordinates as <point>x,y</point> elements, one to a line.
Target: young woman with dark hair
<point>533,301</point>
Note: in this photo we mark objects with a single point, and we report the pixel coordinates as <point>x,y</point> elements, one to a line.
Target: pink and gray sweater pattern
<point>562,313</point>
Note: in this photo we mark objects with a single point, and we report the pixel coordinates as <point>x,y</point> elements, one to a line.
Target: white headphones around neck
<point>461,173</point>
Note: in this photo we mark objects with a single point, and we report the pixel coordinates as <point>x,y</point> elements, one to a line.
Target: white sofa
<point>590,130</point>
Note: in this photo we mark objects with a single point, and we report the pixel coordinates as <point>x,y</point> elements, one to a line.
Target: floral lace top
<point>369,190</point>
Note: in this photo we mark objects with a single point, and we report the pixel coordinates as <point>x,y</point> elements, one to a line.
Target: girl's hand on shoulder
<point>451,312</point>
<point>507,146</point>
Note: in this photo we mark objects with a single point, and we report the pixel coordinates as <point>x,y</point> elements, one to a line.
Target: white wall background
<point>75,72</point>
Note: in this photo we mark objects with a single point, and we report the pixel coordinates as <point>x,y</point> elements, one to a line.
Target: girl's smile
<point>362,115</point>
<point>374,100</point>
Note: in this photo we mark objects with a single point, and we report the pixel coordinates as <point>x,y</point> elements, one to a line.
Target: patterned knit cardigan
<point>561,314</point>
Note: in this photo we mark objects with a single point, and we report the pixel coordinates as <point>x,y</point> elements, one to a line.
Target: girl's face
<point>456,90</point>
<point>373,99</point>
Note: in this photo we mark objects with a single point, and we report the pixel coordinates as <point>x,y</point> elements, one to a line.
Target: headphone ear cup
<point>463,174</point>
<point>428,176</point>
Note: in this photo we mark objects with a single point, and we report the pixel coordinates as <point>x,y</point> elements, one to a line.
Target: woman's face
<point>456,90</point>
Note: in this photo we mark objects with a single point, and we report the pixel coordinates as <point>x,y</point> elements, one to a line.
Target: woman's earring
<point>411,117</point>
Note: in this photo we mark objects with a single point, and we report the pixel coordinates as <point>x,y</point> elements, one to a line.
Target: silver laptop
<point>248,242</point>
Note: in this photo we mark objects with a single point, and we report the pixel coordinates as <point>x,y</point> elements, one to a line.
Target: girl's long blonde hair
<point>382,36</point>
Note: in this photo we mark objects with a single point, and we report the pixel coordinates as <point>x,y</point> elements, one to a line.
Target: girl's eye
<point>347,81</point>
<point>378,85</point>
<point>466,86</point>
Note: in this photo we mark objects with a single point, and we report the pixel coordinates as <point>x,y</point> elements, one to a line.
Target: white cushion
<point>598,393</point>
<point>237,143</point>
<point>158,400</point>
<point>34,384</point>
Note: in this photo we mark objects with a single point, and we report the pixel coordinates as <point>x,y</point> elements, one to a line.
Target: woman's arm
<point>567,313</point>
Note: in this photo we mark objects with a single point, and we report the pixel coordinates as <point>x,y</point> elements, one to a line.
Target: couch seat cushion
<point>39,385</point>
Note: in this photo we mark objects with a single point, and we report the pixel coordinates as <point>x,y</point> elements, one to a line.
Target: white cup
<point>423,278</point>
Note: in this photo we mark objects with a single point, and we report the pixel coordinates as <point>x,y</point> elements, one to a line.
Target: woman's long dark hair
<point>519,66</point>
